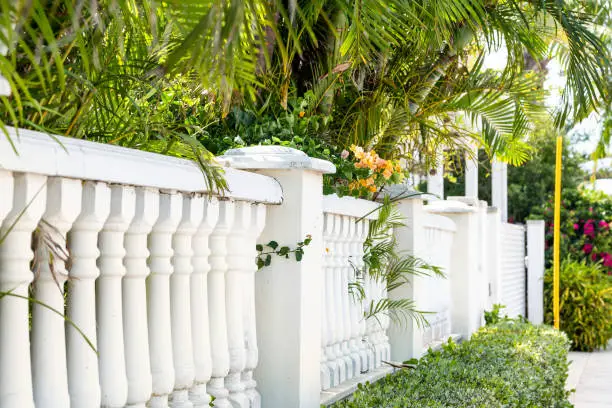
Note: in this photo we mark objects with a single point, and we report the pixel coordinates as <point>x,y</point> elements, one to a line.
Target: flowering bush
<point>585,227</point>
<point>362,173</point>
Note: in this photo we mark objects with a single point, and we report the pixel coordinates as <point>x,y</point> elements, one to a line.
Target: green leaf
<point>272,244</point>
<point>259,247</point>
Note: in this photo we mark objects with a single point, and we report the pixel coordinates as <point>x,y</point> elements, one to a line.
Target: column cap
<point>402,192</point>
<point>449,207</point>
<point>535,222</point>
<point>274,158</point>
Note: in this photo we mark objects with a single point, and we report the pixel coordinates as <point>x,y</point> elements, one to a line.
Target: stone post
<point>407,340</point>
<point>535,271</point>
<point>288,293</point>
<point>499,188</point>
<point>466,282</point>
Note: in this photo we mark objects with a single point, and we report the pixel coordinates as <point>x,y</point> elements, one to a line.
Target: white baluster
<point>338,291</point>
<point>216,304</point>
<point>180,290</point>
<point>354,315</point>
<point>49,371</point>
<point>326,373</point>
<point>135,327</point>
<point>239,263</point>
<point>258,220</point>
<point>328,236</point>
<point>83,377</point>
<point>109,308</point>
<point>158,297</point>
<point>344,296</point>
<point>199,305</point>
<point>360,233</point>
<point>28,204</point>
<point>367,325</point>
<point>385,322</point>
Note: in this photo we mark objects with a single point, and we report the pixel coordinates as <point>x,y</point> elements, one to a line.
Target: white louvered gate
<point>513,278</point>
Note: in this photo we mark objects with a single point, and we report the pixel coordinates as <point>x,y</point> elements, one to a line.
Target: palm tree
<point>394,74</point>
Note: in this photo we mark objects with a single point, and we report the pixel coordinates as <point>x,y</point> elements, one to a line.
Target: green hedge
<point>509,364</point>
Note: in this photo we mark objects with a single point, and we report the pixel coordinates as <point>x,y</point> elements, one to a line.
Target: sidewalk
<point>591,375</point>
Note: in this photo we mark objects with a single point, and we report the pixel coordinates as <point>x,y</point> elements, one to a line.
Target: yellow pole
<point>557,232</point>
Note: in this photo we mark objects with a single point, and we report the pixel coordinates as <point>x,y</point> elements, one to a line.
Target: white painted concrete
<point>590,374</point>
<point>535,271</point>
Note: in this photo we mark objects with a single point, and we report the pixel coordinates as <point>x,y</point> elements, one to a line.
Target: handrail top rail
<point>437,221</point>
<point>350,206</point>
<point>38,152</point>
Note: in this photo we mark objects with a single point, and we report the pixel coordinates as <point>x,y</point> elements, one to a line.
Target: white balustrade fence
<point>513,277</point>
<point>158,278</point>
<point>438,233</point>
<point>351,345</point>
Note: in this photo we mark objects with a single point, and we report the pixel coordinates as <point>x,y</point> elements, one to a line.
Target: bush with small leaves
<point>509,364</point>
<point>586,304</point>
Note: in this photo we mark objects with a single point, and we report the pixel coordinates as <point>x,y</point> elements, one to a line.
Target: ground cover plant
<point>508,364</point>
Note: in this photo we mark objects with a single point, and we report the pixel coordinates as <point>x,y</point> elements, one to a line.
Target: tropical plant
<point>508,364</point>
<point>393,75</point>
<point>585,304</point>
<point>586,216</point>
<point>385,265</point>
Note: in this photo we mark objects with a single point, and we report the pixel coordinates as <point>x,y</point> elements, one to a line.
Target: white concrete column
<point>180,302</point>
<point>158,297</point>
<point>493,256</point>
<point>134,290</point>
<point>49,371</point>
<point>535,271</point>
<point>499,188</point>
<point>466,282</point>
<point>83,377</point>
<point>28,204</point>
<point>471,172</point>
<point>109,307</point>
<point>435,182</point>
<point>200,328</point>
<point>406,340</point>
<point>288,293</point>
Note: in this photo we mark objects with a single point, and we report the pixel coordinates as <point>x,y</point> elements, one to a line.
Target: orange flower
<point>387,174</point>
<point>358,151</point>
<point>301,114</point>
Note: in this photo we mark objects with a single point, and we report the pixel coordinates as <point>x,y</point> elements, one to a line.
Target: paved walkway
<point>591,375</point>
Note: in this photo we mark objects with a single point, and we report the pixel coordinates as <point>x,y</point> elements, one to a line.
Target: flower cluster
<point>585,227</point>
<point>377,171</point>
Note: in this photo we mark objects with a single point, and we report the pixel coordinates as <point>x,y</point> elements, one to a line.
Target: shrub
<point>586,304</point>
<point>585,229</point>
<point>509,364</point>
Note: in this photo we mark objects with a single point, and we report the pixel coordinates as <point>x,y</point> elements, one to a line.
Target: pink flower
<point>594,256</point>
<point>591,210</point>
<point>587,248</point>
<point>344,154</point>
<point>589,229</point>
<point>607,258</point>
<point>576,227</point>
<point>603,224</point>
